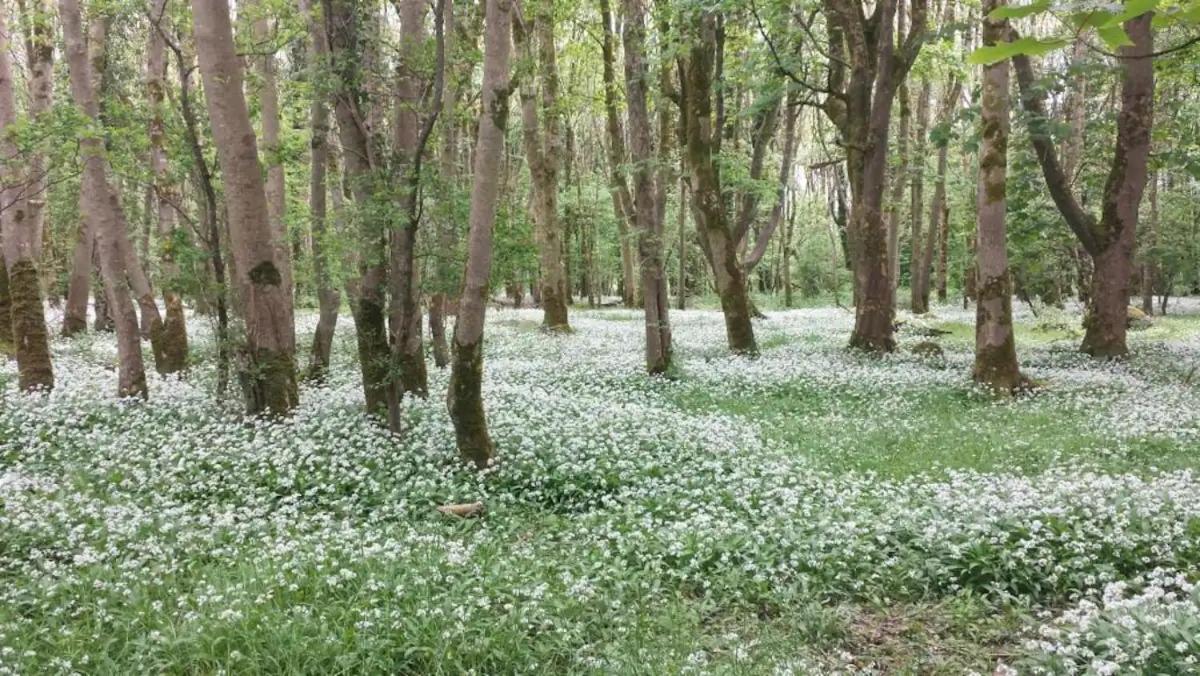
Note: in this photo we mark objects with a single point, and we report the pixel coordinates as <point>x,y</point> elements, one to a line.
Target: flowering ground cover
<point>807,511</point>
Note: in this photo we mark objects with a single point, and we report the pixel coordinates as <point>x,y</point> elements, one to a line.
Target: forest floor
<point>808,511</point>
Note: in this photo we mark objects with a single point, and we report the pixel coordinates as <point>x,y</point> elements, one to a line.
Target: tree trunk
<point>540,133</point>
<point>411,129</point>
<point>172,342</point>
<point>39,54</point>
<point>938,211</point>
<point>681,292</point>
<point>465,398</point>
<point>995,350</point>
<point>702,133</point>
<point>899,180</point>
<point>919,271</point>
<point>1148,267</point>
<point>943,253</point>
<point>22,314</point>
<point>329,300</point>
<point>444,282</point>
<point>360,163</point>
<point>269,372</point>
<point>621,198</point>
<point>99,205</point>
<point>648,217</point>
<point>862,109</point>
<point>1109,241</point>
<point>267,92</point>
<point>792,111</point>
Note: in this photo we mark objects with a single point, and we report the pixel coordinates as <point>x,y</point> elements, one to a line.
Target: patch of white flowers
<point>145,536</point>
<point>1149,625</point>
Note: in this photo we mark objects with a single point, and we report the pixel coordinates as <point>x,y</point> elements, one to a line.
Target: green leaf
<point>1005,50</point>
<point>1020,11</point>
<point>1114,36</point>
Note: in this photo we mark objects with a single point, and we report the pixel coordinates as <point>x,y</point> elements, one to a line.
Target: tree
<point>172,332</point>
<point>622,199</point>
<point>102,210</point>
<point>995,349</point>
<point>702,147</point>
<point>866,66</point>
<point>361,162</point>
<point>648,218</point>
<point>465,398</point>
<point>328,298</point>
<point>1108,240</point>
<point>268,369</point>
<point>542,139</point>
<point>23,321</point>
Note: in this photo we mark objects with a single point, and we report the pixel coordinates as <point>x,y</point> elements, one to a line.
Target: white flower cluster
<point>1147,625</point>
<point>173,535</point>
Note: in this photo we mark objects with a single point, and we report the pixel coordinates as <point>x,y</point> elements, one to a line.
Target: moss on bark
<point>30,335</point>
<point>466,405</point>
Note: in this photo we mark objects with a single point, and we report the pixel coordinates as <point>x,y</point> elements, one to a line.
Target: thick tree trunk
<point>329,300</point>
<point>702,133</point>
<point>862,112</point>
<point>269,372</point>
<point>39,54</point>
<point>541,137</point>
<point>621,198</point>
<point>648,217</point>
<point>171,343</point>
<point>465,398</point>
<point>22,314</point>
<point>995,349</point>
<point>360,164</point>
<point>99,206</point>
<point>1109,241</point>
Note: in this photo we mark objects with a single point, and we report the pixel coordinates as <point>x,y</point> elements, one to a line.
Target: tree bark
<point>702,133</point>
<point>267,91</point>
<point>411,129</point>
<point>1109,240</point>
<point>864,86</point>
<point>172,341</point>
<point>622,199</point>
<point>361,165</point>
<point>899,180</point>
<point>329,300</point>
<point>1151,235</point>
<point>995,349</point>
<point>465,398</point>
<point>919,285</point>
<point>39,54</point>
<point>100,207</point>
<point>542,140</point>
<point>269,370</point>
<point>648,217</point>
<point>22,314</point>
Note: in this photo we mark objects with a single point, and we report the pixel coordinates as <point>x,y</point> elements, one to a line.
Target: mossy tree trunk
<point>648,218</point>
<point>1108,240</point>
<point>702,149</point>
<point>268,371</point>
<point>465,398</point>
<point>995,349</point>
<point>541,136</point>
